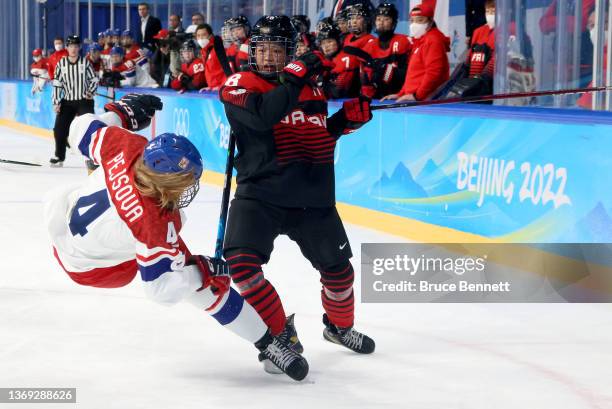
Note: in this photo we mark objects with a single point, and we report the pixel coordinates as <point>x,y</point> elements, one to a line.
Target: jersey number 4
<point>86,210</point>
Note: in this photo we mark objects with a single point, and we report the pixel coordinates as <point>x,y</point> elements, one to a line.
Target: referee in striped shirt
<point>73,88</point>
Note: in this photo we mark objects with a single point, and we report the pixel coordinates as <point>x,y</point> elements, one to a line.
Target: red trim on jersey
<point>96,142</point>
<point>104,277</point>
<point>169,252</point>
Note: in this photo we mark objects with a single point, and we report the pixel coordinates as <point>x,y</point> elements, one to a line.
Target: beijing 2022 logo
<point>180,118</point>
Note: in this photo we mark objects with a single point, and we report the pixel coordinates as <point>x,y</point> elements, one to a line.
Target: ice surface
<point>123,351</point>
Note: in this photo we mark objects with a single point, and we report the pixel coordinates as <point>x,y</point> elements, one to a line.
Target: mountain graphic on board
<point>434,181</point>
<point>400,185</point>
<point>595,226</point>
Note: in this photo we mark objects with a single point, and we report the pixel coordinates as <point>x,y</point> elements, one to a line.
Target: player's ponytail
<point>166,187</point>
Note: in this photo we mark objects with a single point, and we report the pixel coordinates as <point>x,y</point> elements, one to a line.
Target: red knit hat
<point>37,52</point>
<point>424,10</point>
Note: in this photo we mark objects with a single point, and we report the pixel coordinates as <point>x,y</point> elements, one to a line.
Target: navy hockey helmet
<point>341,15</point>
<point>170,153</point>
<point>226,33</point>
<point>301,22</point>
<point>327,33</point>
<point>354,12</point>
<point>272,30</point>
<point>240,21</point>
<point>324,22</point>
<point>188,46</point>
<point>389,10</point>
<point>94,47</point>
<point>117,50</point>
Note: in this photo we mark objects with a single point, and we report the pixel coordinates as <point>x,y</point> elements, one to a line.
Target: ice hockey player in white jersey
<point>126,219</point>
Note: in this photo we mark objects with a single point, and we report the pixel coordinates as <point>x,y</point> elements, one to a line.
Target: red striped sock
<point>337,294</point>
<point>247,274</point>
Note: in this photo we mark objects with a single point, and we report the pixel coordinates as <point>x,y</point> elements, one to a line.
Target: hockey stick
<point>16,162</point>
<point>227,186</point>
<point>111,97</point>
<point>493,97</point>
<point>105,96</point>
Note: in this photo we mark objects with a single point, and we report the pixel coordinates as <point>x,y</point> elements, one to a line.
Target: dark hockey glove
<point>471,87</point>
<point>135,110</point>
<point>111,79</point>
<point>185,80</point>
<point>306,66</point>
<point>368,85</point>
<point>215,273</point>
<point>356,113</point>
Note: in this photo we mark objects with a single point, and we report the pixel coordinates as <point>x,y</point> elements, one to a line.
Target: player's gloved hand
<point>356,113</point>
<point>215,273</point>
<point>366,76</point>
<point>471,86</point>
<point>306,66</point>
<point>185,80</point>
<point>135,110</point>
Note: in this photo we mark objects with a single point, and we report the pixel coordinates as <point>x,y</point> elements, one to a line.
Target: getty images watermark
<point>486,273</point>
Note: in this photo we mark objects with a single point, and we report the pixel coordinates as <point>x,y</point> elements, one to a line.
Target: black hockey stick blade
<point>16,162</point>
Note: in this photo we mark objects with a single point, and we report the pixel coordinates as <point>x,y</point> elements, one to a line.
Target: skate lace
<point>280,354</point>
<point>353,339</point>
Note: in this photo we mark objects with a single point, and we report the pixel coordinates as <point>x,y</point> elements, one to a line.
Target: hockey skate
<point>283,357</point>
<point>348,337</point>
<point>288,337</point>
<point>55,162</point>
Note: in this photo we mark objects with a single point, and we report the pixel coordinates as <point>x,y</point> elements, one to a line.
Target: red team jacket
<point>128,70</point>
<point>97,66</point>
<point>215,77</point>
<point>54,59</point>
<point>42,64</point>
<point>428,67</point>
<point>344,77</point>
<point>137,55</point>
<point>238,55</point>
<point>481,56</point>
<point>358,42</point>
<point>394,61</point>
<point>195,70</point>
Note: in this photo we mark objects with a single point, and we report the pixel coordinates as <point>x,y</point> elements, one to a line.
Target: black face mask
<point>385,36</point>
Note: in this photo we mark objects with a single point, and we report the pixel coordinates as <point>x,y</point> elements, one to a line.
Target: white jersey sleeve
<point>87,132</point>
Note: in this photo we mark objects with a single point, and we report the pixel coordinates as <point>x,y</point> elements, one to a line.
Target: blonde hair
<point>166,187</point>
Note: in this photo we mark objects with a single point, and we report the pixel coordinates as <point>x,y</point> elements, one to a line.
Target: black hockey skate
<point>279,353</point>
<point>348,337</point>
<point>288,337</point>
<point>55,162</point>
